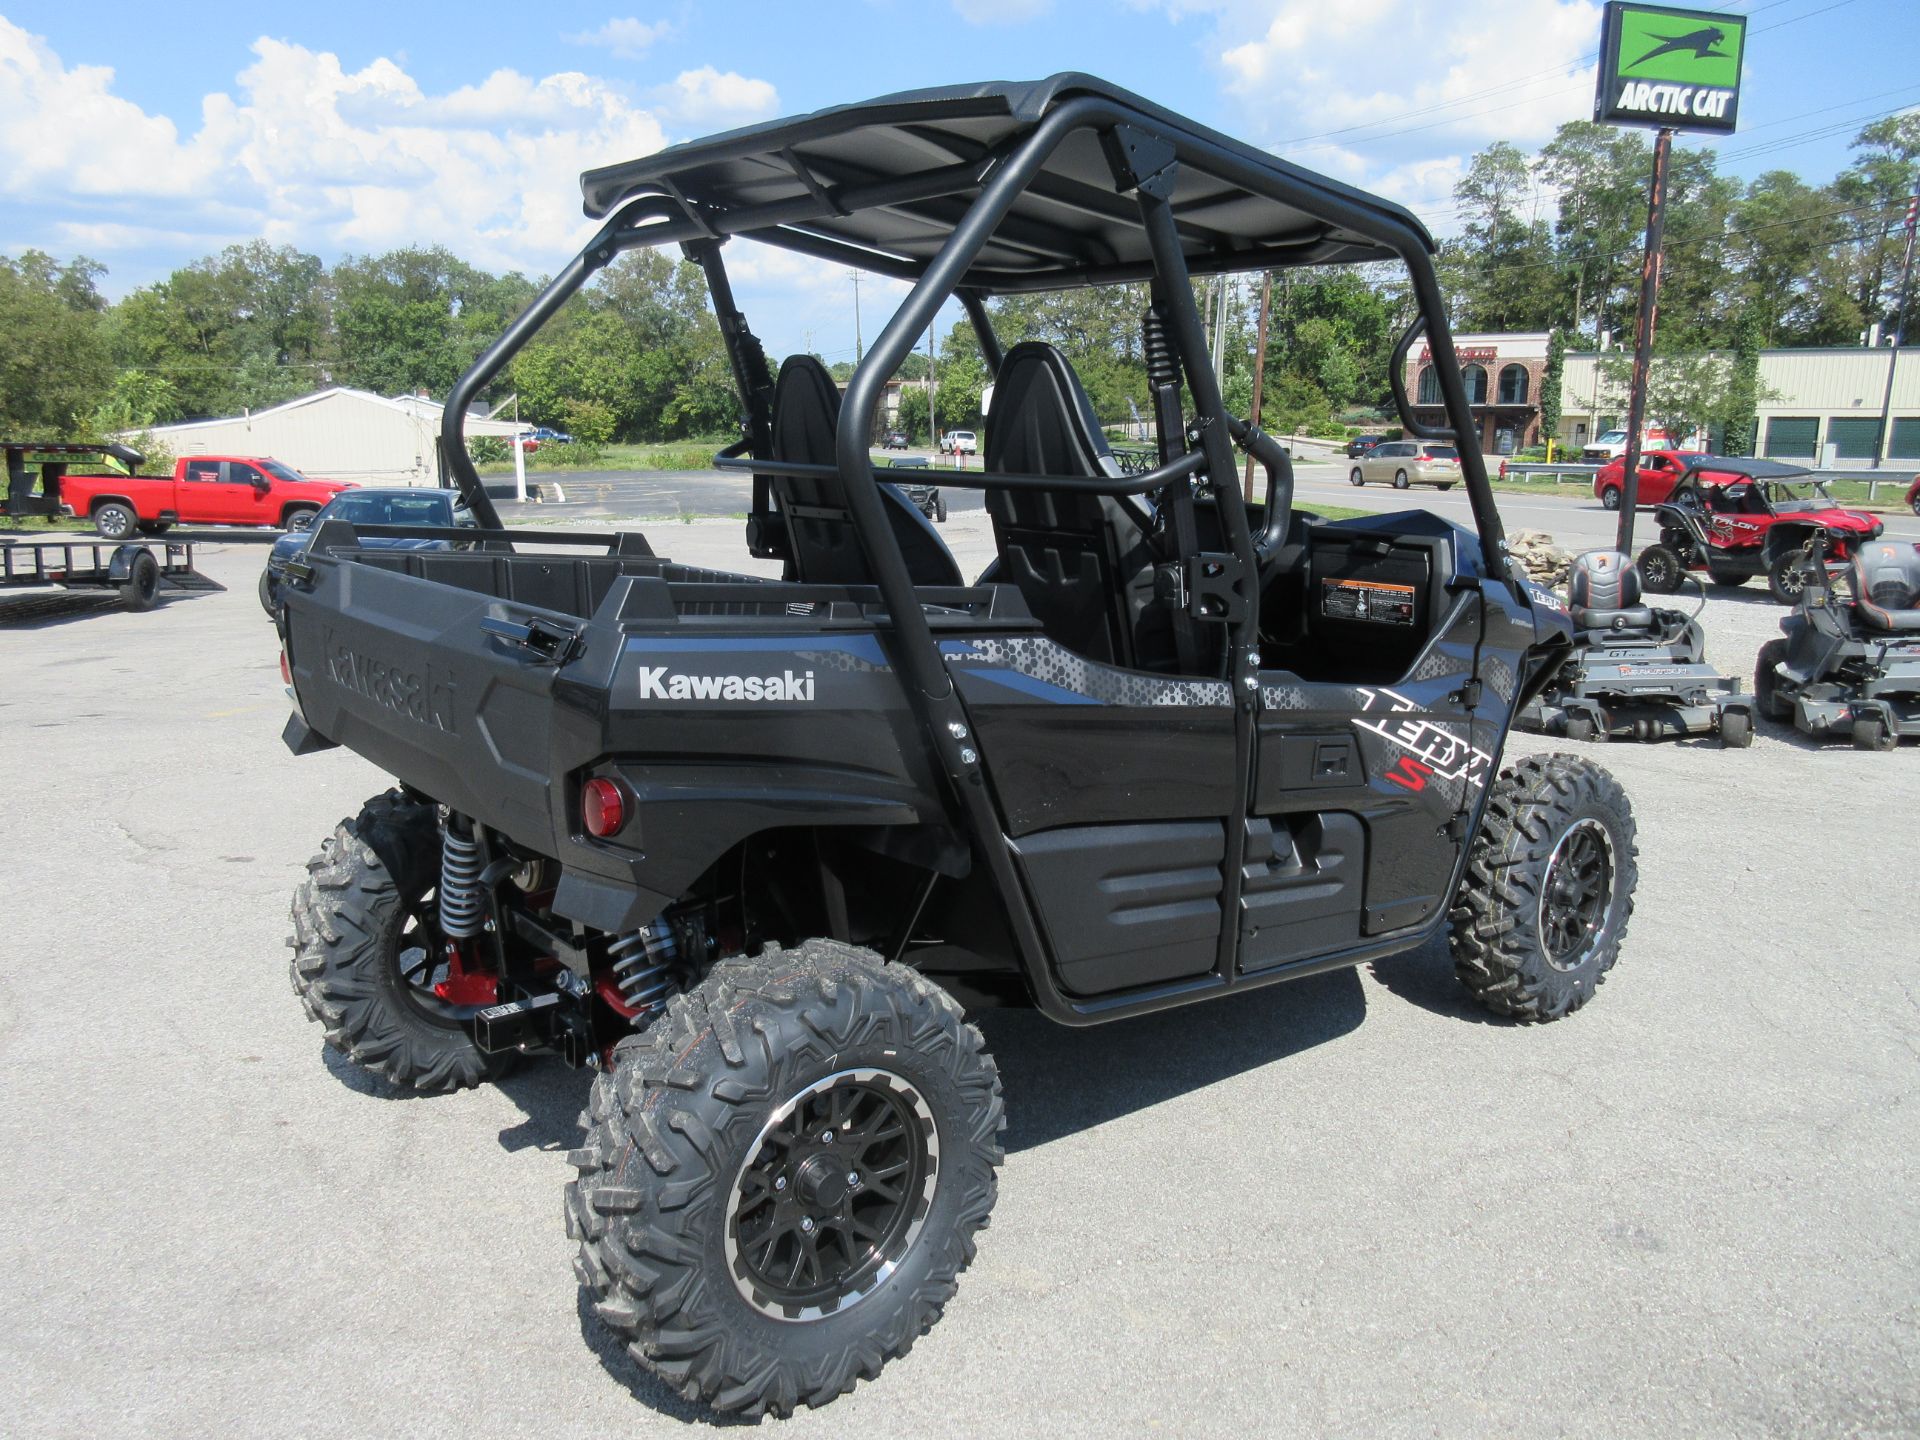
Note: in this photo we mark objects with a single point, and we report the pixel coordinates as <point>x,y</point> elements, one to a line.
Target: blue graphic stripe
<point>861,647</point>
<point>1027,685</point>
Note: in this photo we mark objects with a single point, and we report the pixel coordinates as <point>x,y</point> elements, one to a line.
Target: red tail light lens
<point>603,807</point>
<point>286,669</point>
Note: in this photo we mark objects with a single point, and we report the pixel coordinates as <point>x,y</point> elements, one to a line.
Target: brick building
<point>1502,375</point>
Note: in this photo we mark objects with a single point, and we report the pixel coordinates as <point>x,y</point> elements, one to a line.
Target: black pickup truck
<point>752,844</point>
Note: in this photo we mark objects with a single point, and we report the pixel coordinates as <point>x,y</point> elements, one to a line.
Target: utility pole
<point>1885,448</point>
<point>1259,369</point>
<point>859,348</point>
<point>933,419</point>
<point>1643,336</point>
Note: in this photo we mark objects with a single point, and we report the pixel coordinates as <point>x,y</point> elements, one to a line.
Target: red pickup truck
<point>203,490</point>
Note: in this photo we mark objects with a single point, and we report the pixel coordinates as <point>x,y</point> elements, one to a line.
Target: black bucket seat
<point>825,548</point>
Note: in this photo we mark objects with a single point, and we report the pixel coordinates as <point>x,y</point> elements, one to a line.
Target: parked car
<point>1613,444</point>
<point>432,509</point>
<point>1913,495</point>
<point>1408,462</point>
<point>203,490</point>
<point>1659,469</point>
<point>544,435</point>
<point>894,440</point>
<point>960,442</point>
<point>1360,444</point>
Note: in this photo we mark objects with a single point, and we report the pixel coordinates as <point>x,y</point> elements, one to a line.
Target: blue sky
<point>145,139</point>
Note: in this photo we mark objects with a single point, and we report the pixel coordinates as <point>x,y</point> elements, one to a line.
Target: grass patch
<point>28,527</point>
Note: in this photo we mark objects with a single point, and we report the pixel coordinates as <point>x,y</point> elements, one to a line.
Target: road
<point>1346,1206</point>
<point>1575,519</point>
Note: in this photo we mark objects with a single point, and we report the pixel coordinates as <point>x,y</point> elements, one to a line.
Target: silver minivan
<point>1408,462</point>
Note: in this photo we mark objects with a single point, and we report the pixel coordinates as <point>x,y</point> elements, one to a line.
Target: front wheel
<point>782,1177</point>
<point>269,594</point>
<point>1736,730</point>
<point>1544,905</point>
<point>1660,570</point>
<point>300,517</point>
<point>115,521</point>
<point>940,509</point>
<point>1787,578</point>
<point>1723,575</point>
<point>367,950</point>
<point>1355,477</point>
<point>1870,732</point>
<point>1610,498</point>
<point>1400,481</point>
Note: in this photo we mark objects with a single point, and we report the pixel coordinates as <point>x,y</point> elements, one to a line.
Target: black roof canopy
<point>892,177</point>
<point>1747,468</point>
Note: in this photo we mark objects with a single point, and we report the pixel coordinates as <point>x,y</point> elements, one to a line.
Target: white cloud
<point>627,38</point>
<point>1001,12</point>
<point>306,152</point>
<point>708,97</point>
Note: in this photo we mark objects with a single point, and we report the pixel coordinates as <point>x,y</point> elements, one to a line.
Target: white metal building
<point>1811,400</point>
<point>336,434</point>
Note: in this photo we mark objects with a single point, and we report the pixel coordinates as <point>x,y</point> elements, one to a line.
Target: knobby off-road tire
<point>1540,915</point>
<point>1660,570</point>
<point>1766,682</point>
<point>361,924</point>
<point>1786,578</point>
<point>698,1136</point>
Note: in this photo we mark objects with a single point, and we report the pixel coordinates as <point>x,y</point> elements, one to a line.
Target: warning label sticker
<point>1367,600</point>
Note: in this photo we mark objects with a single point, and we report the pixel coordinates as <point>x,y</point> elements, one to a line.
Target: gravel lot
<point>1351,1205</point>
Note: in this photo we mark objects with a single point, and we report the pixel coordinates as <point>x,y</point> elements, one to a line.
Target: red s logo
<point>1410,773</point>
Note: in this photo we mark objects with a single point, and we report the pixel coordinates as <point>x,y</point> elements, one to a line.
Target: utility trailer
<point>133,568</point>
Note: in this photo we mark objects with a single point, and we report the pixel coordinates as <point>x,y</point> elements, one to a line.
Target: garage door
<point>1792,436</point>
<point>1854,438</point>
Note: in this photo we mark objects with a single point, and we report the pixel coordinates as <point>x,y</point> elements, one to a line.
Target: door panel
<point>1115,788</point>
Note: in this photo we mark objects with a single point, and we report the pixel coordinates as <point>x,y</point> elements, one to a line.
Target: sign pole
<point>1643,336</point>
<point>1885,447</point>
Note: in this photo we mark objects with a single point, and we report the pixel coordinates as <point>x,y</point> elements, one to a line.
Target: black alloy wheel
<point>1576,895</point>
<point>833,1193</point>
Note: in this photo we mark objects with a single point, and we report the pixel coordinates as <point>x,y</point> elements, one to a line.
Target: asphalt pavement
<point>1352,1205</point>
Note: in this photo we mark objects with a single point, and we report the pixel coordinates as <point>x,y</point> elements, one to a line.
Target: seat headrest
<point>806,412</point>
<point>1603,580</point>
<point>1042,422</point>
<point>1887,575</point>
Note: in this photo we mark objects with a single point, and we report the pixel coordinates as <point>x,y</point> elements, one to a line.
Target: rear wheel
<point>1400,481</point>
<point>1870,732</point>
<point>1736,731</point>
<point>1579,727</point>
<point>1660,570</point>
<point>141,589</point>
<point>1446,487</point>
<point>269,594</point>
<point>1610,498</point>
<point>155,527</point>
<point>1540,914</point>
<point>367,950</point>
<point>782,1178</point>
<point>115,521</point>
<point>940,509</point>
<point>1787,578</point>
<point>1766,681</point>
<point>1724,575</point>
<point>1354,477</point>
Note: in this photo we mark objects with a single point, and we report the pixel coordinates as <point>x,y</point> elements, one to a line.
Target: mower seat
<point>1603,593</point>
<point>1886,587</point>
<point>825,548</point>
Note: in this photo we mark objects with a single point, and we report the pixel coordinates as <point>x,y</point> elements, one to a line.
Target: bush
<point>488,450</point>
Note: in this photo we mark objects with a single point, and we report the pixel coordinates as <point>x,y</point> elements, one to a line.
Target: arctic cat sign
<point>1677,69</point>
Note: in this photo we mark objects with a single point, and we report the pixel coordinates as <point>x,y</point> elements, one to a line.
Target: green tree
<point>1552,379</point>
<point>1742,413</point>
<point>55,368</point>
<point>912,416</point>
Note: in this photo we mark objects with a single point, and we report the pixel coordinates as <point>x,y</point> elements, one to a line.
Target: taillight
<point>603,807</point>
<point>286,669</point>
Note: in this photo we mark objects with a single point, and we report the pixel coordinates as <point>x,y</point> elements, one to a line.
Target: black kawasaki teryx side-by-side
<point>749,846</point>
